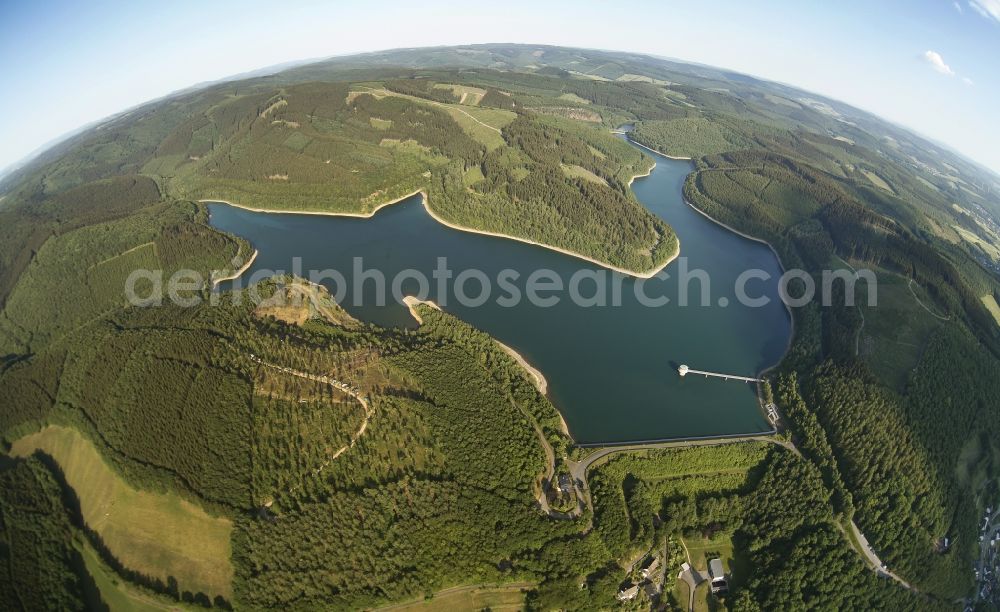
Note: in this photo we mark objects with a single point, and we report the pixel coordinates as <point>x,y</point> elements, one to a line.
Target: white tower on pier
<point>682,370</point>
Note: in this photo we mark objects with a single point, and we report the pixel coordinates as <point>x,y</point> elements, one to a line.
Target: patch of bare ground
<point>270,109</point>
<point>301,300</point>
<point>569,112</point>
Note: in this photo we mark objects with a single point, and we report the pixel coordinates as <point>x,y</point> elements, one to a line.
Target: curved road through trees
<point>578,470</point>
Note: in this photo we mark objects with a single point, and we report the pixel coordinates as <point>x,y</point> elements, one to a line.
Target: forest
<point>209,407</point>
<point>42,570</point>
<point>380,140</point>
<point>889,447</point>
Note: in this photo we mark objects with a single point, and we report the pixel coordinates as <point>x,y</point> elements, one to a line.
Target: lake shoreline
<point>642,175</point>
<point>462,228</point>
<point>412,301</point>
<point>540,383</point>
<point>781,265</point>
<point>667,155</point>
<point>533,373</point>
<point>777,257</point>
<point>323,213</point>
<point>607,266</point>
<point>237,273</point>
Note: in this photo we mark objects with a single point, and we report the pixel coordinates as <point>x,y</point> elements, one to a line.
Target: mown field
<point>469,598</point>
<point>991,304</point>
<point>114,592</point>
<point>156,534</point>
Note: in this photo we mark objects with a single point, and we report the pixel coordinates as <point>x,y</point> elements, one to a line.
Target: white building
<point>648,570</point>
<point>718,574</point>
<point>628,594</point>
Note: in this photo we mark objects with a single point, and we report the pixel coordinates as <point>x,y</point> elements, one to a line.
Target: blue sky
<point>930,66</point>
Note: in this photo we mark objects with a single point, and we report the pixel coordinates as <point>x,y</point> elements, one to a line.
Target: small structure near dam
<point>684,370</point>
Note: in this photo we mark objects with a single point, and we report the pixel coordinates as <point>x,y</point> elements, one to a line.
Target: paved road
<point>693,579</point>
<point>873,560</point>
<point>579,469</point>
<point>550,460</point>
<point>690,576</point>
<point>550,456</point>
<point>984,550</point>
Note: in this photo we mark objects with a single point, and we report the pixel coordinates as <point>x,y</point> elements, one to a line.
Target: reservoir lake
<point>611,370</point>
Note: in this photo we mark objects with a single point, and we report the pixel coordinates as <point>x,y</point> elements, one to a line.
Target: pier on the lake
<point>683,370</point>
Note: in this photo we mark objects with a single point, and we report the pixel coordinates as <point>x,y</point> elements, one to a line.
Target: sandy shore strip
<point>412,301</point>
<point>563,425</point>
<point>238,273</point>
<point>461,228</point>
<point>649,274</point>
<point>540,383</point>
<point>323,213</point>
<point>534,373</point>
<point>643,174</point>
<point>639,144</point>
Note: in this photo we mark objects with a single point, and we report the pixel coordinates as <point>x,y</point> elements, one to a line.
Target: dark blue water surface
<point>611,371</point>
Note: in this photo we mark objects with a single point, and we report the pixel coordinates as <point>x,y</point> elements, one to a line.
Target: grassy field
<point>702,549</point>
<point>175,390</point>
<point>572,97</point>
<point>977,464</point>
<point>704,601</point>
<point>720,544</point>
<point>878,181</point>
<point>462,599</point>
<point>115,593</point>
<point>472,176</point>
<point>574,171</point>
<point>989,249</point>
<point>681,593</point>
<point>158,534</point>
<point>482,124</point>
<point>466,93</point>
<point>991,304</point>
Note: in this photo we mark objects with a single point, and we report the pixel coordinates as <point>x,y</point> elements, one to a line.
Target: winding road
<point>873,560</point>
<point>411,303</point>
<point>336,384</point>
<point>578,470</point>
<point>909,286</point>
